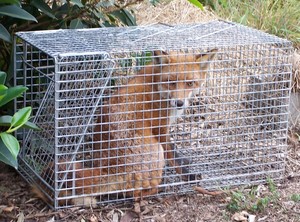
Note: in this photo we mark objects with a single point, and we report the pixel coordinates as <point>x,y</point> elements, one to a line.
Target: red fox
<point>131,138</point>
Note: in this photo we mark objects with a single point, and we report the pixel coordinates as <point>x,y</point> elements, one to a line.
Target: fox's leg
<point>148,176</point>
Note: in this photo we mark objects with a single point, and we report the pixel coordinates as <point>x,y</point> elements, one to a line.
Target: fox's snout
<point>178,103</point>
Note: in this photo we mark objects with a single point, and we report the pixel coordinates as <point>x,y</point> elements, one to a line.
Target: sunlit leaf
<point>11,143</point>
<point>76,24</point>
<point>41,5</point>
<point>12,93</point>
<point>78,3</point>
<point>20,118</point>
<point>3,92</point>
<point>12,2</point>
<point>4,34</point>
<point>2,76</point>
<point>16,12</point>
<point>196,3</point>
<point>6,157</point>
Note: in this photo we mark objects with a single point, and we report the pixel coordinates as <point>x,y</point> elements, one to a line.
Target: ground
<point>18,204</point>
<point>267,204</point>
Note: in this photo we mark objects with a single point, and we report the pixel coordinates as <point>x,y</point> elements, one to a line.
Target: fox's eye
<point>190,83</point>
<point>172,84</point>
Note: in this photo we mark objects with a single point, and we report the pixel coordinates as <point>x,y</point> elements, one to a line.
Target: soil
<point>18,204</point>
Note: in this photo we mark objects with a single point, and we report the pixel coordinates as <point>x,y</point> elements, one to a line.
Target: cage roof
<point>143,38</point>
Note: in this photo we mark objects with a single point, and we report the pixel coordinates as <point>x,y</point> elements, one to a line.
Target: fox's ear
<point>160,57</point>
<point>205,58</point>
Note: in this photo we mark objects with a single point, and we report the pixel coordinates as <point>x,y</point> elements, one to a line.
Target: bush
<point>30,15</point>
<point>9,145</point>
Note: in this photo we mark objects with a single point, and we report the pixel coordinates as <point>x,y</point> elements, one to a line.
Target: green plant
<point>295,197</point>
<point>253,200</point>
<point>278,17</point>
<point>196,3</point>
<point>9,145</point>
<point>30,15</point>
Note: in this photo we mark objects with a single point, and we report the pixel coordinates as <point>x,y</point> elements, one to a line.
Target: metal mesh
<point>97,145</point>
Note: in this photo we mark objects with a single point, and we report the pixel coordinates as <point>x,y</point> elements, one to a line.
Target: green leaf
<point>6,120</point>
<point>196,3</point>
<point>30,125</point>
<point>76,24</point>
<point>130,17</point>
<point>41,5</point>
<point>122,15</point>
<point>16,2</point>
<point>11,143</point>
<point>4,34</point>
<point>2,77</point>
<point>12,93</point>
<point>16,12</point>
<point>78,3</point>
<point>106,4</point>
<point>6,157</point>
<point>3,92</point>
<point>19,119</point>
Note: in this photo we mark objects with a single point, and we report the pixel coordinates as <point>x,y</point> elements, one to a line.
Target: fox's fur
<point>131,140</point>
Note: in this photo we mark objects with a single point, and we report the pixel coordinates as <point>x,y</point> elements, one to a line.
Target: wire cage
<point>127,113</point>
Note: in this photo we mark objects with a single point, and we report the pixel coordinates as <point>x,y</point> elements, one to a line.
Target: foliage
<point>295,198</point>
<point>9,145</point>
<point>29,15</point>
<point>254,200</point>
<point>278,17</point>
<point>196,3</point>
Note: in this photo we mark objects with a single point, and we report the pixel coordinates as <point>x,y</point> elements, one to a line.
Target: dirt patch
<point>17,203</point>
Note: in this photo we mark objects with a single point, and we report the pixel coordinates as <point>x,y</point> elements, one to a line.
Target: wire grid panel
<point>116,106</point>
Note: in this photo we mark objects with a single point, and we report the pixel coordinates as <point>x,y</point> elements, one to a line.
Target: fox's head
<point>178,76</point>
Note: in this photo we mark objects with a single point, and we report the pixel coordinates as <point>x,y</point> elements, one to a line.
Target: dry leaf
<point>21,217</point>
<point>143,203</point>
<point>51,220</point>
<point>263,218</point>
<point>251,218</point>
<point>62,214</point>
<point>240,216</point>
<point>204,191</point>
<point>160,219</point>
<point>147,210</point>
<point>31,200</point>
<point>8,209</point>
<point>110,213</point>
<point>137,208</point>
<point>93,218</point>
<point>115,217</point>
<point>128,216</point>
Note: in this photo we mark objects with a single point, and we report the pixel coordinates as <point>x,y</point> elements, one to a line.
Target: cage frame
<point>26,170</point>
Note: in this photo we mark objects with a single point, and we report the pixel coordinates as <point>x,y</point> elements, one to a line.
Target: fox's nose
<point>179,103</point>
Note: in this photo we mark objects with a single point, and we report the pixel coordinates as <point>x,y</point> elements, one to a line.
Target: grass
<point>295,198</point>
<point>278,17</point>
<point>254,200</point>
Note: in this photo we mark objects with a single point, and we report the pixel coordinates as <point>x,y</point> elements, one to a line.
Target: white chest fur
<point>174,114</point>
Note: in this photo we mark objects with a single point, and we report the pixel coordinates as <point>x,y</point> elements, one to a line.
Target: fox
<point>131,140</point>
